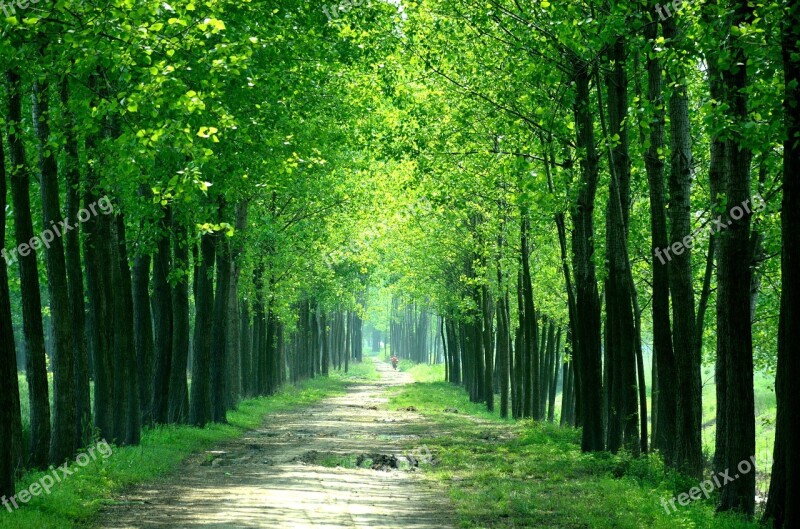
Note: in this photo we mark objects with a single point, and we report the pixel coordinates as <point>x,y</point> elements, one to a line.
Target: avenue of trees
<point>178,186</point>
<point>603,190</point>
<point>596,198</point>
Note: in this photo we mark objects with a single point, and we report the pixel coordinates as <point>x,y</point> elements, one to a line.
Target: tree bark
<point>178,391</point>
<point>143,327</point>
<point>124,345</point>
<point>219,353</point>
<point>587,298</point>
<point>734,276</point>
<point>782,510</point>
<point>200,405</point>
<point>64,435</point>
<point>163,320</point>
<point>688,448</point>
<point>36,361</point>
<point>10,418</point>
<point>83,405</point>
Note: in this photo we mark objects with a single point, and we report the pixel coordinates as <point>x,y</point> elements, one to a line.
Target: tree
<point>64,438</point>
<point>10,419</point>
<point>36,362</point>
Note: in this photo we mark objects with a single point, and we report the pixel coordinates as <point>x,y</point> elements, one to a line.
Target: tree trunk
<point>10,418</point>
<point>782,509</point>
<point>219,353</point>
<point>200,405</point>
<point>246,351</point>
<point>587,299</point>
<point>124,340</point>
<point>235,337</point>
<point>64,435</point>
<point>663,392</point>
<point>178,393</point>
<point>143,327</point>
<point>83,405</point>
<point>734,277</point>
<point>551,409</point>
<point>163,320</point>
<point>326,355</point>
<point>36,361</point>
<point>488,347</point>
<point>688,449</point>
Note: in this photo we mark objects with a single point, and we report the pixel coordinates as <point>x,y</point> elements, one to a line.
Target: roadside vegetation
<point>529,474</point>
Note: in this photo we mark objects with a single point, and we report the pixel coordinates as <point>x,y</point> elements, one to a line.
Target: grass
<point>505,474</point>
<point>74,502</point>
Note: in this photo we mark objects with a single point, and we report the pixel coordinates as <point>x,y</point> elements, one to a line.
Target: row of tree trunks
<point>409,333</point>
<point>139,344</point>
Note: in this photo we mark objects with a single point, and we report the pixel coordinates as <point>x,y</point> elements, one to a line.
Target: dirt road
<point>284,475</point>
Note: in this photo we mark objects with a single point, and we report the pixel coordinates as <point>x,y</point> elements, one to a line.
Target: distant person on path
<point>394,362</point>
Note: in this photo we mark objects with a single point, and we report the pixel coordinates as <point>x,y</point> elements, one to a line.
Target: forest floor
<point>341,463</point>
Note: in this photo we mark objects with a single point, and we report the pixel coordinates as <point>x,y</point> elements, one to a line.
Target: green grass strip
<point>526,474</point>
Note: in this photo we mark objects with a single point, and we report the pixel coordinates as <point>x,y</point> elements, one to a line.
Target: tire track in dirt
<point>270,478</point>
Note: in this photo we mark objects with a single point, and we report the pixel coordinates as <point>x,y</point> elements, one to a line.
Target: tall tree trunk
<point>551,408</point>
<point>688,449</point>
<point>200,405</point>
<point>178,391</point>
<point>10,417</point>
<point>219,353</point>
<point>587,299</point>
<point>64,435</point>
<point>734,276</point>
<point>664,395</point>
<point>163,320</point>
<point>782,509</point>
<point>247,350</point>
<point>97,250</point>
<point>143,327</point>
<point>620,315</point>
<point>124,340</point>
<point>531,374</point>
<point>488,347</point>
<point>36,361</point>
<point>98,261</point>
<point>503,344</point>
<point>235,343</point>
<point>326,354</point>
<point>83,405</point>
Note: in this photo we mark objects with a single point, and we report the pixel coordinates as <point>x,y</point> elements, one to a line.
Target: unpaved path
<point>270,478</point>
